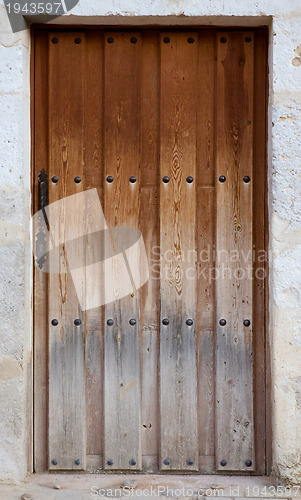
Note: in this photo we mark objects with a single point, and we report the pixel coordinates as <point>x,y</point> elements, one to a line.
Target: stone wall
<point>284,178</point>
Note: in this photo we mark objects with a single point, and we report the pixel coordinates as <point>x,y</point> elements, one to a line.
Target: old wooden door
<point>167,128</point>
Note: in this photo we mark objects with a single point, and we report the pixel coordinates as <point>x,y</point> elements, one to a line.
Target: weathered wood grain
<point>205,316</point>
<point>94,179</point>
<point>67,436</point>
<point>178,378</point>
<point>121,204</point>
<point>234,239</point>
<point>149,226</point>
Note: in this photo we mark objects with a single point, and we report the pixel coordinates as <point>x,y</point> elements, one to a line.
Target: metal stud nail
<point>189,179</point>
<point>222,322</point>
<point>77,461</point>
<point>248,39</point>
<point>166,461</point>
<point>110,179</point>
<point>110,322</point>
<point>190,461</point>
<point>54,322</point>
<point>247,322</point>
<point>189,322</point>
<point>77,322</point>
<point>248,463</point>
<point>222,178</point>
<point>134,39</point>
<point>77,40</point>
<point>223,39</point>
<point>110,461</point>
<point>54,461</point>
<point>133,179</point>
<point>132,322</point>
<point>55,179</point>
<point>77,180</point>
<point>246,179</point>
<point>190,40</point>
<point>166,39</point>
<point>133,461</point>
<point>55,40</point>
<point>110,39</point>
<point>165,321</point>
<point>165,179</point>
<point>223,462</point>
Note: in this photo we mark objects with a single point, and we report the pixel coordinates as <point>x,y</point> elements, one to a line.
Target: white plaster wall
<point>284,209</point>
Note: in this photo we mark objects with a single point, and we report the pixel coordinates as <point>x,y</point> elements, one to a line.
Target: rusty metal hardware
<point>55,40</point>
<point>54,179</point>
<point>54,322</point>
<point>54,461</point>
<point>190,461</point>
<point>247,322</point>
<point>189,322</point>
<point>133,461</point>
<point>248,39</point>
<point>77,461</point>
<point>110,39</point>
<point>222,178</point>
<point>165,179</point>
<point>132,322</point>
<point>77,322</point>
<point>134,39</point>
<point>189,179</point>
<point>165,321</point>
<point>246,179</point>
<point>110,179</point>
<point>248,463</point>
<point>166,461</point>
<point>43,190</point>
<point>132,179</point>
<point>77,180</point>
<point>190,40</point>
<point>166,39</point>
<point>110,461</point>
<point>41,241</point>
<point>222,322</point>
<point>223,39</point>
<point>110,322</point>
<point>223,462</point>
<point>77,40</point>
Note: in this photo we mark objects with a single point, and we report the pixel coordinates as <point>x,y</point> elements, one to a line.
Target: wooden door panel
<point>121,207</point>
<point>178,377</point>
<point>175,389</point>
<point>67,438</point>
<point>234,243</point>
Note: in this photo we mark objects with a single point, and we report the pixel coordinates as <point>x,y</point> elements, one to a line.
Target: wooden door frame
<point>39,446</point>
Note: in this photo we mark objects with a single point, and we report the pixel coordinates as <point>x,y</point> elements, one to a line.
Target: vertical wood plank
<point>149,225</point>
<point>234,367</point>
<point>67,436</point>
<point>121,203</point>
<point>94,179</point>
<point>205,242</point>
<point>178,394</point>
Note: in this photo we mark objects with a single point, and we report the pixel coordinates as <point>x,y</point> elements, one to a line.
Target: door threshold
<point>89,486</point>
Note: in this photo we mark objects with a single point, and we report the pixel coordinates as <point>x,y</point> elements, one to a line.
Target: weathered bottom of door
<point>150,465</point>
